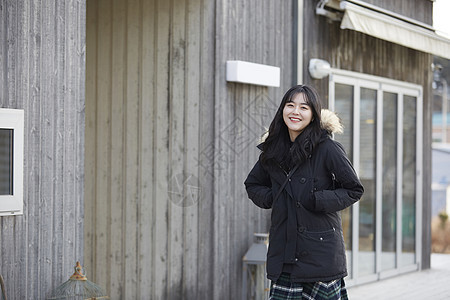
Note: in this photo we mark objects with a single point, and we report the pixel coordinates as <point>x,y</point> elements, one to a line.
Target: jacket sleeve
<point>259,187</point>
<point>349,188</point>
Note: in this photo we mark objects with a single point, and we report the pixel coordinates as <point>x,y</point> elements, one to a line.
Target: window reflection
<point>409,181</point>
<point>6,160</point>
<point>368,122</point>
<point>344,109</point>
<point>389,194</point>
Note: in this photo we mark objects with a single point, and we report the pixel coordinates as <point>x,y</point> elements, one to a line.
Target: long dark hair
<point>278,145</point>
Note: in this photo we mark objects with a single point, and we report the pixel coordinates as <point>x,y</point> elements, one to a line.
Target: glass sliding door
<point>382,133</point>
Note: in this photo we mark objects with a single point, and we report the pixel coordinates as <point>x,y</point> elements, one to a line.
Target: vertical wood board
<point>38,74</point>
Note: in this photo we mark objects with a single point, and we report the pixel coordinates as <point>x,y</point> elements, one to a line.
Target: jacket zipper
<point>284,171</point>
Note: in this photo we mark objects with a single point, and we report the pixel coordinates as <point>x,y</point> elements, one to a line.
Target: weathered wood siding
<point>261,32</point>
<point>354,51</point>
<point>420,10</point>
<point>42,71</point>
<point>159,113</point>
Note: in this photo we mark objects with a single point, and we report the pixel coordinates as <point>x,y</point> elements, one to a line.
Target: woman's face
<point>297,115</point>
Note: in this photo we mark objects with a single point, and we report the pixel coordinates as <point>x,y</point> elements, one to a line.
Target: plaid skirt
<point>283,288</point>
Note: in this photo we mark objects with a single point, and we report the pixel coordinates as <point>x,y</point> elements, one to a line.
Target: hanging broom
<point>78,287</point>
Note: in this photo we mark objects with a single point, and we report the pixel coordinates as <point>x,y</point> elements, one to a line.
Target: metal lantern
<point>255,284</point>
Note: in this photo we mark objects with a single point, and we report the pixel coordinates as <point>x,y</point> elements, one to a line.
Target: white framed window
<point>383,138</point>
<point>11,161</point>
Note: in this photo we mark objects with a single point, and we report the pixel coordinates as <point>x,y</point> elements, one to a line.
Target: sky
<point>441,16</point>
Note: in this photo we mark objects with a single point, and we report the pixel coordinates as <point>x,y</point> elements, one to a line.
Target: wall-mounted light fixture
<point>251,73</point>
<point>319,68</point>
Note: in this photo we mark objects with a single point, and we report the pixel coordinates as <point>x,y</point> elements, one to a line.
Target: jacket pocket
<point>321,254</point>
<point>321,183</point>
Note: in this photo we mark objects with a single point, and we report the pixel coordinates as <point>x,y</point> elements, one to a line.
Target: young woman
<point>306,178</point>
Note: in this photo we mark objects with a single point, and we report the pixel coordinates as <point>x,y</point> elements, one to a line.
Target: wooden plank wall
<point>420,10</point>
<point>261,32</point>
<point>354,51</point>
<point>159,113</point>
<point>149,111</point>
<point>42,71</point>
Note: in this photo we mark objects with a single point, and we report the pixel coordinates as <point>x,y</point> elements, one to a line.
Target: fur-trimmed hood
<point>331,122</point>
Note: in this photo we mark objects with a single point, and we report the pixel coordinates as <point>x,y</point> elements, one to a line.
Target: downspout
<point>300,18</point>
<point>444,110</point>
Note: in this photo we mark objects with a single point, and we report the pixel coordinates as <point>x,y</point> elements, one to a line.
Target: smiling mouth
<point>295,119</point>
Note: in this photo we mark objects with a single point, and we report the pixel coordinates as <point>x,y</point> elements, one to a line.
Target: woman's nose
<point>296,110</point>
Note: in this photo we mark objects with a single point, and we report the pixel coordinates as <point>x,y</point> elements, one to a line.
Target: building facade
<point>137,146</point>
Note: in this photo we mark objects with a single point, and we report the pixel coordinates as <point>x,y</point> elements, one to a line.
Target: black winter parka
<point>306,233</point>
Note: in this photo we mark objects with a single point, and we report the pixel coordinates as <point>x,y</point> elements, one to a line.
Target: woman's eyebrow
<point>301,103</point>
